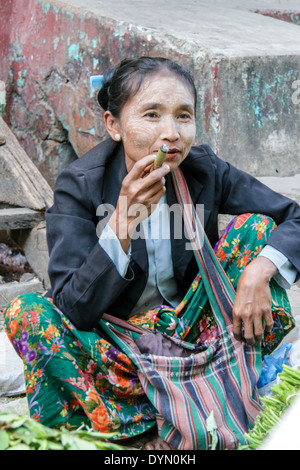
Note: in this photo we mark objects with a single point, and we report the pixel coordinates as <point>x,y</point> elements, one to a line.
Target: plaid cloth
<point>221,377</point>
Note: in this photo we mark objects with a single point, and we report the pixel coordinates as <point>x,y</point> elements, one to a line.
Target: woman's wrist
<point>264,268</point>
<point>120,226</point>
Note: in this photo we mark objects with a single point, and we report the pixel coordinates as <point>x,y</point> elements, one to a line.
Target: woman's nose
<point>169,130</point>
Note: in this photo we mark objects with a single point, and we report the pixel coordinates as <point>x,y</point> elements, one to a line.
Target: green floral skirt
<point>74,377</point>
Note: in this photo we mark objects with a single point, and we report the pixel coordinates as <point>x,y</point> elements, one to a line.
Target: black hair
<point>124,81</point>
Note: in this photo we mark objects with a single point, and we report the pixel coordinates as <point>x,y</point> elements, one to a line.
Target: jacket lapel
<point>115,172</point>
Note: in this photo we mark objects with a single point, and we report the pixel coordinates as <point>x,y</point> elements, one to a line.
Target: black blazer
<point>85,282</point>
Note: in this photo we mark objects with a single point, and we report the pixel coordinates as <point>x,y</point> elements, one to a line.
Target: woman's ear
<point>112,126</point>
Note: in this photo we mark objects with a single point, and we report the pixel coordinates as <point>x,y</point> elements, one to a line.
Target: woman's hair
<point>124,81</point>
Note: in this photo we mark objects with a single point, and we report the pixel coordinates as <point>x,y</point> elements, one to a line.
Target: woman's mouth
<point>172,154</point>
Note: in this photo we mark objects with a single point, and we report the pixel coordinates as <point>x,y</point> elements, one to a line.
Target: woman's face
<point>162,112</point>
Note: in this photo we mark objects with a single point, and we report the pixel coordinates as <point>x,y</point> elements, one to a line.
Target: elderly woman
<point>103,258</point>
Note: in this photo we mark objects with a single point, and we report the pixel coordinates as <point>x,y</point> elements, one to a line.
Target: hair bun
<point>103,94</point>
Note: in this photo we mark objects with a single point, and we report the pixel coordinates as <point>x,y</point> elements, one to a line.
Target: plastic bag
<point>273,364</point>
<point>295,354</point>
<point>12,380</point>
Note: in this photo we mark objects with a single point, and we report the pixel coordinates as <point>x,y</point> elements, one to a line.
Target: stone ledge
<point>227,29</point>
<point>34,245</point>
<point>288,186</point>
<point>19,218</point>
<point>11,290</point>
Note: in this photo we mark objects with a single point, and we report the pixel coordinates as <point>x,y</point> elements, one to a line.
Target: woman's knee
<point>253,226</point>
<point>23,312</point>
<point>30,319</point>
<point>251,219</point>
<point>242,240</point>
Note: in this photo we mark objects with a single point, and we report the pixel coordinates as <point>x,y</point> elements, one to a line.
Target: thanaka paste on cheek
<point>143,134</point>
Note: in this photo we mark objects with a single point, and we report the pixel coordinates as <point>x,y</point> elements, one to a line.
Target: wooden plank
<point>19,218</point>
<point>21,183</point>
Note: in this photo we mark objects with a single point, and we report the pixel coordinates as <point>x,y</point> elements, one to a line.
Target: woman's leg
<point>74,377</point>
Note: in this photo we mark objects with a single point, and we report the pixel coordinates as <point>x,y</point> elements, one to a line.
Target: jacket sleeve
<point>238,192</point>
<point>80,271</point>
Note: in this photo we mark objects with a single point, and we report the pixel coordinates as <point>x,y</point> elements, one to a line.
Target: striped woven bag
<point>219,378</point>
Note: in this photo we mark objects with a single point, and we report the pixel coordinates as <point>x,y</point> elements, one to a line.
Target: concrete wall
<point>246,67</point>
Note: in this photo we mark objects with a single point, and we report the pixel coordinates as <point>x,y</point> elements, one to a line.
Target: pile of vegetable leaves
<point>24,433</point>
<point>275,405</point>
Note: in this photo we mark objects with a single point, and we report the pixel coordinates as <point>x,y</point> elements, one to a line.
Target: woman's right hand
<point>140,193</point>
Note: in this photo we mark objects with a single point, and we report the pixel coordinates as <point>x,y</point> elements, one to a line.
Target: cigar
<point>160,157</point>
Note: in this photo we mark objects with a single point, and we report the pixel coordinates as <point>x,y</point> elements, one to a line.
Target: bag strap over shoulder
<point>219,289</point>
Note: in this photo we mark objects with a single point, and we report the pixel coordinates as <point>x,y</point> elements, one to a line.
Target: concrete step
<point>10,290</point>
<point>289,186</point>
<point>19,218</point>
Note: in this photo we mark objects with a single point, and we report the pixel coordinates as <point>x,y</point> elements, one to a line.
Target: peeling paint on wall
<point>46,7</point>
<point>73,51</point>
<point>266,100</point>
<point>55,42</point>
<point>283,15</point>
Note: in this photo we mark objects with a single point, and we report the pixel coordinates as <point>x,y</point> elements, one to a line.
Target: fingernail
<point>250,341</point>
<point>237,336</point>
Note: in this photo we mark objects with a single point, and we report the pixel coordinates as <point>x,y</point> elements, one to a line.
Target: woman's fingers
<point>141,166</point>
<point>144,188</point>
<point>250,320</point>
<point>252,310</point>
<point>140,193</point>
<point>249,333</point>
<point>237,327</point>
<point>269,320</point>
<point>252,326</point>
<point>149,194</point>
<point>139,179</point>
<point>258,330</point>
<point>243,323</point>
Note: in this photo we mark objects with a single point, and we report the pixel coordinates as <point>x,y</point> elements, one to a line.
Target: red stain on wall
<point>47,55</point>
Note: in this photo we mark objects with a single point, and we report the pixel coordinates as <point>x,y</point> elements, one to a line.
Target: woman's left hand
<point>252,305</point>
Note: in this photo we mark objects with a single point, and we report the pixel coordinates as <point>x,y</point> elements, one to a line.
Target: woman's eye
<point>185,116</point>
<point>152,115</point>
